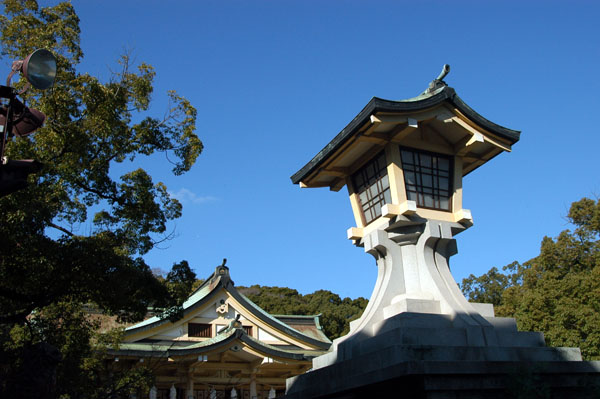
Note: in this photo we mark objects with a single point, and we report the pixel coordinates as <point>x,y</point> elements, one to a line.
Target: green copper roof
<point>175,345</point>
<point>227,339</point>
<point>221,279</point>
<point>196,297</point>
<point>274,321</point>
<point>313,320</point>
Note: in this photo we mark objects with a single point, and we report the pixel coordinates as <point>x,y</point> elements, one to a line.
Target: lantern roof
<point>439,109</point>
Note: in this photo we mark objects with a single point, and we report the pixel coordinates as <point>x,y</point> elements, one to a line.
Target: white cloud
<point>186,196</point>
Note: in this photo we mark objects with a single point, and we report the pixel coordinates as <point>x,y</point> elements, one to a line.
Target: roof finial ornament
<point>439,81</point>
<point>222,270</point>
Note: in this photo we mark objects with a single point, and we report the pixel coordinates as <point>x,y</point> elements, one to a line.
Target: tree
<point>180,281</point>
<point>558,291</point>
<point>487,288</point>
<point>336,313</point>
<point>49,266</point>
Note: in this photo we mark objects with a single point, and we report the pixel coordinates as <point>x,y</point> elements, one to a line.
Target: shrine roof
<point>220,279</point>
<point>224,339</point>
<point>306,324</point>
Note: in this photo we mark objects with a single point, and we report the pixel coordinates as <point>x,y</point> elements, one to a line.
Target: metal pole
<point>6,92</point>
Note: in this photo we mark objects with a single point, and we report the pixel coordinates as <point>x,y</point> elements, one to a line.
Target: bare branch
<point>57,227</point>
<point>167,237</point>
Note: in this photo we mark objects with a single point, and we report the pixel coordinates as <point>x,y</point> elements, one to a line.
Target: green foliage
<point>180,281</point>
<point>336,313</point>
<point>50,264</point>
<point>557,292</point>
<point>487,288</point>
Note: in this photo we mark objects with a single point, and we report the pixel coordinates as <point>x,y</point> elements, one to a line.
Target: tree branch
<point>57,227</point>
<point>97,192</point>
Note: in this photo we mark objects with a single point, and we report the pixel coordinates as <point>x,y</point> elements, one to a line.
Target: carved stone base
<point>416,302</point>
<point>418,328</point>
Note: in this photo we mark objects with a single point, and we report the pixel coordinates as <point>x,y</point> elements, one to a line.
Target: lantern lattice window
<point>427,178</point>
<point>372,185</point>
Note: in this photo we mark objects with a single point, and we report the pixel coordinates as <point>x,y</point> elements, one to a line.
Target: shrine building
<point>224,346</point>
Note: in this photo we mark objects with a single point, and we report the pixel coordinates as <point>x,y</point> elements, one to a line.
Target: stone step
<point>469,353</point>
<point>418,320</point>
<point>387,344</point>
<point>503,323</point>
<point>521,338</point>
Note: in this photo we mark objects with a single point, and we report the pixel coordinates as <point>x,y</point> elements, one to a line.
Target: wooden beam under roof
<point>337,184</point>
<point>432,129</point>
<point>248,367</point>
<point>460,144</point>
<point>486,136</point>
<point>376,138</point>
<point>402,131</point>
<point>336,171</point>
<point>388,118</point>
<point>470,157</point>
<point>338,154</point>
<point>275,381</point>
<point>465,145</point>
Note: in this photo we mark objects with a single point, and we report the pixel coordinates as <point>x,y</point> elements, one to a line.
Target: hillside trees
<point>336,313</point>
<point>77,233</point>
<point>558,291</point>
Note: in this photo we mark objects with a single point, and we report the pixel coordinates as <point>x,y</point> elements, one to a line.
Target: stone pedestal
<point>382,374</point>
<point>420,334</point>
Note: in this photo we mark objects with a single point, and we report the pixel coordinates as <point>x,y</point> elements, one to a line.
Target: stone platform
<point>380,375</point>
<point>419,355</point>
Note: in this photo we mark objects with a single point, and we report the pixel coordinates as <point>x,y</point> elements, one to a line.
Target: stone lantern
<point>403,163</point>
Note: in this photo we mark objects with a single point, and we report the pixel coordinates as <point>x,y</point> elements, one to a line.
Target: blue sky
<point>274,81</point>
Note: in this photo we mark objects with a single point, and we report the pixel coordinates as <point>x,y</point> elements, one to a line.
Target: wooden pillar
<point>253,394</point>
<point>190,384</point>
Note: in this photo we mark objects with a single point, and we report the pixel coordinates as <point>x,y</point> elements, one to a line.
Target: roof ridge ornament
<point>439,81</point>
<point>222,270</point>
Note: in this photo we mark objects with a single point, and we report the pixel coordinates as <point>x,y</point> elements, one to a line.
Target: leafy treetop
<point>558,291</point>
<point>50,265</point>
<point>336,313</point>
<point>89,128</point>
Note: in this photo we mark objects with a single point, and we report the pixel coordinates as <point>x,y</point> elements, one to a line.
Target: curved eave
<point>226,283</point>
<point>162,350</point>
<point>196,300</point>
<point>446,94</point>
<point>221,343</point>
<point>313,318</point>
<point>271,351</point>
<point>268,319</point>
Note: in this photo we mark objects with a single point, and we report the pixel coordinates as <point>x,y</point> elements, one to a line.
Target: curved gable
<point>212,307</point>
